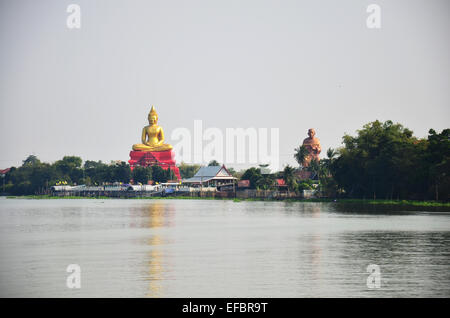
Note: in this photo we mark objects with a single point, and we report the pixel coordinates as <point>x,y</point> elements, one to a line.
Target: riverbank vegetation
<point>385,161</point>
<point>36,177</point>
<point>382,161</point>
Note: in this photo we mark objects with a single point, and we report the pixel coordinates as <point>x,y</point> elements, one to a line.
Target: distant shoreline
<point>346,201</point>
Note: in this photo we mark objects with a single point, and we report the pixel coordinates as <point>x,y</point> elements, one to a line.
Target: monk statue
<point>312,145</point>
<point>152,135</point>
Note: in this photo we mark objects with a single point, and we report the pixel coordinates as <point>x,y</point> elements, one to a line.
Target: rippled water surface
<point>206,248</point>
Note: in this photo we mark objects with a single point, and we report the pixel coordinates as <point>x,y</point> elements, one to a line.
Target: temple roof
<point>205,174</point>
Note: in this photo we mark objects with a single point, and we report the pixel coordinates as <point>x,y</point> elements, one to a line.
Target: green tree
<point>438,160</point>
<point>70,168</point>
<point>159,174</point>
<point>315,168</point>
<point>89,164</point>
<point>384,160</point>
<point>327,184</point>
<point>122,172</point>
<point>253,175</point>
<point>266,182</point>
<point>232,171</point>
<point>300,154</point>
<point>32,177</point>
<point>188,170</point>
<point>213,163</point>
<point>305,185</point>
<point>98,172</point>
<point>31,160</point>
<point>142,174</point>
<point>289,178</point>
<point>170,174</point>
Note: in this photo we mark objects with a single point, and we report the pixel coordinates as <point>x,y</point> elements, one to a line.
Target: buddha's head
<point>311,132</point>
<point>152,116</point>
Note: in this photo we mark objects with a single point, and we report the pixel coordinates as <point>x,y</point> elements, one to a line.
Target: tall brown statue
<point>312,145</point>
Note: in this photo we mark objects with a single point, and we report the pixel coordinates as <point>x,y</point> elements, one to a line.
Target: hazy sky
<point>286,64</point>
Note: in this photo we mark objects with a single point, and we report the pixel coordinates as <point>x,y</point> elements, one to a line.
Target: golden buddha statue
<point>152,135</point>
<point>312,145</point>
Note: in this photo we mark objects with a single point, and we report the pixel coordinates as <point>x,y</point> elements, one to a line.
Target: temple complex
<point>152,150</point>
<point>312,145</point>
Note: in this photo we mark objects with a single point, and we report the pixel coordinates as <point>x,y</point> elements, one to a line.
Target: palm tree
<point>31,161</point>
<point>300,154</point>
<point>265,183</point>
<point>289,178</point>
<point>326,163</point>
<point>314,166</point>
<point>331,153</point>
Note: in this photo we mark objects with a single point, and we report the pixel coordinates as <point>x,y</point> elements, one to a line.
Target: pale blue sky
<point>287,64</point>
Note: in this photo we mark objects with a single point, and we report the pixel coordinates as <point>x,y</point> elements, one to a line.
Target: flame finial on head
<point>153,112</point>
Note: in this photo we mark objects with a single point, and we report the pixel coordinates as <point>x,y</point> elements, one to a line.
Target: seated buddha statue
<point>312,145</point>
<point>152,135</point>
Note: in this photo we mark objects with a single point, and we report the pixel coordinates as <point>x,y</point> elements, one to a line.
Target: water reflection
<point>381,208</point>
<point>190,248</point>
<point>316,256</point>
<point>409,260</point>
<point>155,217</point>
<point>155,273</point>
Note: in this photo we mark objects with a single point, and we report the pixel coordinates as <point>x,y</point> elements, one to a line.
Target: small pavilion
<point>211,176</point>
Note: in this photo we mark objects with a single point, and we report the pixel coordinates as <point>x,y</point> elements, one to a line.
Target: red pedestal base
<point>164,159</point>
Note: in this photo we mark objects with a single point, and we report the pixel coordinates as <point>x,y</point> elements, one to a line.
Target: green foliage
<point>236,174</point>
<point>266,182</point>
<point>385,161</point>
<point>289,178</point>
<point>232,171</point>
<point>159,174</point>
<point>142,174</point>
<point>258,180</point>
<point>69,168</point>
<point>89,164</point>
<point>252,174</point>
<point>188,170</point>
<point>300,154</point>
<point>31,161</point>
<point>37,177</point>
<point>97,173</point>
<point>315,168</point>
<point>305,185</point>
<point>438,159</point>
<point>170,174</point>
<point>213,163</point>
<point>121,172</point>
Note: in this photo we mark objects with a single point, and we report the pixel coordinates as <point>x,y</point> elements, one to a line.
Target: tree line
<point>34,176</point>
<point>385,161</point>
<point>382,161</point>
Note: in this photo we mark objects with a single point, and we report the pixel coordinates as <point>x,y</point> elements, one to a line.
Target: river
<point>214,248</point>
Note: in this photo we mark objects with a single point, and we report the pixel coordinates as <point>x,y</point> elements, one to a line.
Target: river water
<point>213,248</point>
